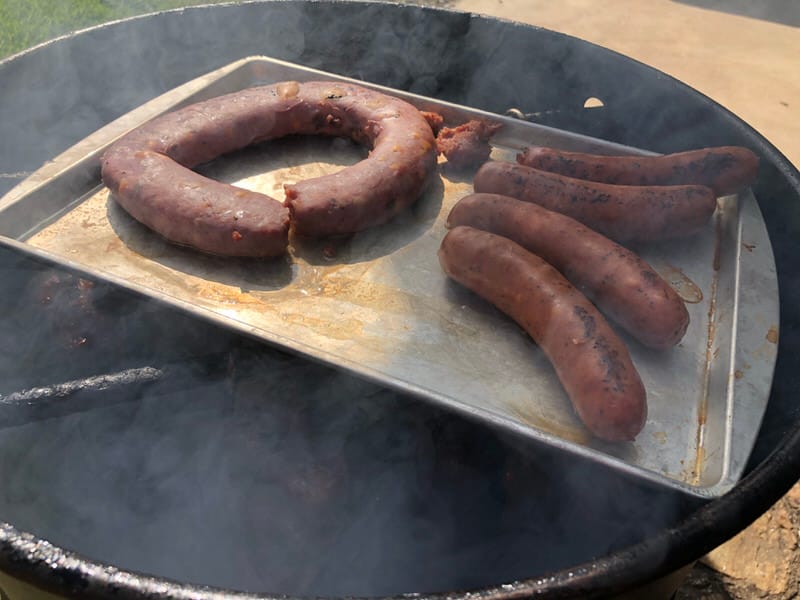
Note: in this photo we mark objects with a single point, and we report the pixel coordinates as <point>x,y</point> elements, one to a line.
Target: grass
<point>25,23</point>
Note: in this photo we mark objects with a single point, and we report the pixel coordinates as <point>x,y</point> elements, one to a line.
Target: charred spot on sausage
<point>589,325</point>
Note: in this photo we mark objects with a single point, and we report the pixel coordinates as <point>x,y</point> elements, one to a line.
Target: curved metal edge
<point>51,568</point>
<point>40,563</point>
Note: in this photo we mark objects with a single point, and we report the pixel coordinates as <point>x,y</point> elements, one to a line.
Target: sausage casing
<point>620,283</point>
<point>725,169</point>
<point>623,213</point>
<point>591,361</point>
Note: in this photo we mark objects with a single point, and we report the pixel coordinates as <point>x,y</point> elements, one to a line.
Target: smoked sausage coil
<point>623,286</point>
<point>149,170</point>
<point>725,169</point>
<point>623,213</point>
<point>591,362</point>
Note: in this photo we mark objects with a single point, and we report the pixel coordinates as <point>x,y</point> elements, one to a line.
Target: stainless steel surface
<point>378,304</point>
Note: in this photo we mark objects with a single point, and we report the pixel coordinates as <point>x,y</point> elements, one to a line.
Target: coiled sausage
<point>149,170</point>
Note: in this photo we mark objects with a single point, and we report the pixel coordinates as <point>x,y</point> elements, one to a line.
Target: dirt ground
<point>763,561</point>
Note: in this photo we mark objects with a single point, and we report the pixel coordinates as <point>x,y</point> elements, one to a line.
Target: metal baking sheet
<point>378,304</point>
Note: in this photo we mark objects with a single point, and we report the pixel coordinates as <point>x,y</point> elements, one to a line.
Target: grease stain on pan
<point>703,405</point>
<point>687,289</point>
<point>342,329</point>
<point>698,463</point>
<point>772,334</point>
<point>335,300</point>
<point>347,284</point>
<point>223,295</point>
<point>768,348</point>
<point>557,425</point>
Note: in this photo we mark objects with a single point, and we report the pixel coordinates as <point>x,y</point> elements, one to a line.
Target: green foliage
<point>25,23</point>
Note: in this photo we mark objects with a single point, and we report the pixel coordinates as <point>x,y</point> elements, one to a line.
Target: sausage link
<point>623,213</point>
<point>591,362</point>
<point>726,169</point>
<point>620,283</point>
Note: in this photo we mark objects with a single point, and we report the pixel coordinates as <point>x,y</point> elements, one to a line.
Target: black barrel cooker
<point>148,454</point>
